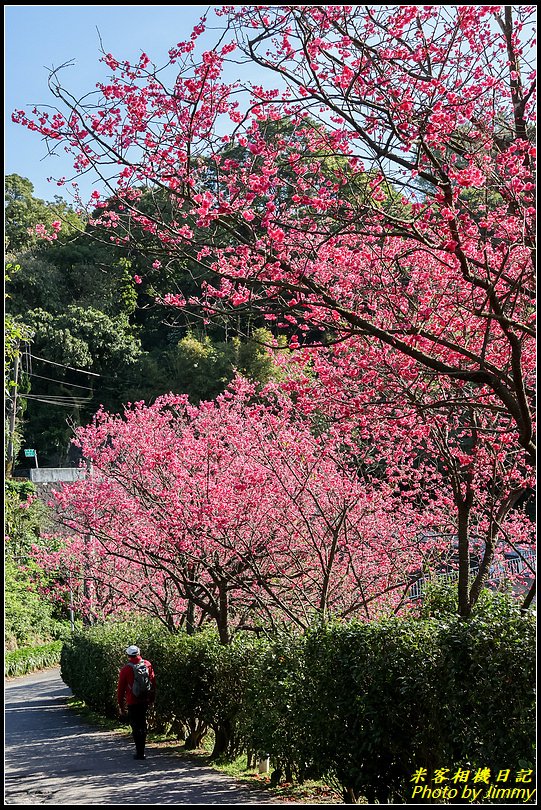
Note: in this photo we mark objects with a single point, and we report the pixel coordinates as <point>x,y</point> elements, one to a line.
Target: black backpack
<point>142,686</point>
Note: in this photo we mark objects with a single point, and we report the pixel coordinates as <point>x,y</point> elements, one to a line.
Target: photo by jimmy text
<point>474,785</point>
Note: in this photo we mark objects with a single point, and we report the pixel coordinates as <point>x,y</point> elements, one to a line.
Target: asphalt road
<point>54,757</point>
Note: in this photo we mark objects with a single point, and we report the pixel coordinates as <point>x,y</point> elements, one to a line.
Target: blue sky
<point>40,37</point>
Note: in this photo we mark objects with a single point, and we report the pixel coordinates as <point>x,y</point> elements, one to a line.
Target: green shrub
<point>92,658</point>
<point>29,620</point>
<point>30,659</point>
<point>394,696</point>
<point>226,674</point>
<point>488,676</point>
<point>374,705</point>
<point>199,681</point>
<point>275,710</point>
<point>362,704</point>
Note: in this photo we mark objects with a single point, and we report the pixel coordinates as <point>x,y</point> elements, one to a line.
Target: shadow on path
<point>53,757</point>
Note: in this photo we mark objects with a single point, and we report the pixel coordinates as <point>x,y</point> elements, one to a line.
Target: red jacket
<point>125,682</point>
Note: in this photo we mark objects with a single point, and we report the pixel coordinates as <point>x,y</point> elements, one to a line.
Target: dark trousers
<point>137,716</point>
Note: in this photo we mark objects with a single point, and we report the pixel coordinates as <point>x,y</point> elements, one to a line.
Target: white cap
<point>133,650</point>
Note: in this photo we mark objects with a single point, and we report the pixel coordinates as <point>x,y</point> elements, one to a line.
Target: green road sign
<point>30,453</point>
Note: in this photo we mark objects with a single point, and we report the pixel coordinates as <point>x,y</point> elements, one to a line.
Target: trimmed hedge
<point>375,713</point>
<point>363,704</point>
<point>91,659</point>
<point>30,659</point>
<point>392,697</point>
<point>200,682</point>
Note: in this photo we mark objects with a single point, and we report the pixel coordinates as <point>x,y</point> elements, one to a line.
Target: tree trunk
<point>464,607</point>
<point>222,739</point>
<point>349,795</point>
<point>190,617</point>
<point>196,732</point>
<point>190,609</point>
<point>529,598</point>
<point>223,619</point>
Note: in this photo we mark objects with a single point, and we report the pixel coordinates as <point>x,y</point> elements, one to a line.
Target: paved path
<point>54,757</point>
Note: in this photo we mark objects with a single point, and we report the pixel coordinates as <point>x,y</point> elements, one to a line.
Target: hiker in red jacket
<point>136,691</point>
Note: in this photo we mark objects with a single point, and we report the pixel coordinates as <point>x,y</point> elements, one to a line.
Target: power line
<point>66,402</point>
<point>133,381</point>
<point>62,365</point>
<point>71,397</point>
<point>60,382</point>
<point>57,404</point>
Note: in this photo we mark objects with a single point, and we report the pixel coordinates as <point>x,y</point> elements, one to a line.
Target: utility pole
<point>88,584</point>
<point>13,414</point>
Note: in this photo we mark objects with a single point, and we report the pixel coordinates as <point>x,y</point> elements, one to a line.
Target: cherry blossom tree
<point>235,512</point>
<point>392,216</point>
<point>465,462</point>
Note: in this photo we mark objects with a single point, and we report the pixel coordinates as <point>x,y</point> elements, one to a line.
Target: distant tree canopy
<point>82,304</point>
<point>23,212</point>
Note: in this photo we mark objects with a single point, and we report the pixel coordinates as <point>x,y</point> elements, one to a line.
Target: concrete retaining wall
<point>49,475</point>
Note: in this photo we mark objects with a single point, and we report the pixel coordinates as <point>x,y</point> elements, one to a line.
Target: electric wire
<point>60,382</point>
<point>63,365</point>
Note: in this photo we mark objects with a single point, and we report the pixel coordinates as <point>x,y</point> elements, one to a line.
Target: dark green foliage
<point>90,305</point>
<point>488,674</point>
<point>394,696</point>
<point>199,366</point>
<point>277,706</point>
<point>375,704</point>
<point>200,681</point>
<point>364,705</point>
<point>77,338</point>
<point>83,337</point>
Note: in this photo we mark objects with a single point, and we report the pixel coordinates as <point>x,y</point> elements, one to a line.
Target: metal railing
<point>499,571</point>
